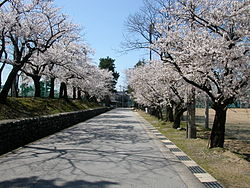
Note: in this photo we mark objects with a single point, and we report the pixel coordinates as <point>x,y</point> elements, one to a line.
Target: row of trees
<point>199,44</point>
<point>154,86</point>
<point>40,42</point>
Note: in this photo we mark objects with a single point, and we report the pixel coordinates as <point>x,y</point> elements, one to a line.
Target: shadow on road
<point>36,182</point>
<point>109,147</point>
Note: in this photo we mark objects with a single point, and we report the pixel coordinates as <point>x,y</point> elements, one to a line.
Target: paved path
<point>111,150</point>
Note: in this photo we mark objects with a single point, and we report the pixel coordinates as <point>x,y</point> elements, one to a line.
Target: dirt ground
<point>237,128</point>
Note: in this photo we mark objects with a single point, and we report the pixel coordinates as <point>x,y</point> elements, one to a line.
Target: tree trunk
<point>36,80</point>
<point>218,130</point>
<point>63,91</point>
<point>2,51</point>
<point>1,71</point>
<point>152,111</point>
<point>169,114</point>
<point>107,100</point>
<point>14,87</point>
<point>177,119</point>
<point>94,99</point>
<point>0,81</point>
<point>79,94</point>
<point>206,126</point>
<point>8,84</point>
<point>13,90</point>
<point>191,128</point>
<point>177,116</point>
<point>52,88</point>
<point>87,96</point>
<point>159,113</point>
<point>74,93</point>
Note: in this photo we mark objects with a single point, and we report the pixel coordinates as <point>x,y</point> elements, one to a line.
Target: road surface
<point>111,150</point>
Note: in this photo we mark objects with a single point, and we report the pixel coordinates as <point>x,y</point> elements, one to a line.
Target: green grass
<point>227,167</point>
<point>31,107</point>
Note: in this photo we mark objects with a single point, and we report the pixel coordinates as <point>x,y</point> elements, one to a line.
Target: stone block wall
<point>17,133</point>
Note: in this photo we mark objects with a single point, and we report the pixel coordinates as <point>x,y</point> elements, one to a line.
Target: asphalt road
<point>111,150</point>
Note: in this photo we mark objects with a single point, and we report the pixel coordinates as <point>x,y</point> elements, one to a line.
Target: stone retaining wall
<point>16,133</point>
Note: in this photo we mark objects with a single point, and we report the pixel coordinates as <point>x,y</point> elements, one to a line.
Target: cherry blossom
<point>207,42</point>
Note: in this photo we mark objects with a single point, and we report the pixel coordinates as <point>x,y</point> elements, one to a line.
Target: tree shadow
<point>36,182</point>
<point>76,151</point>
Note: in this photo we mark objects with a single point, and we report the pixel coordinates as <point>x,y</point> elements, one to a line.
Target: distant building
<point>123,99</point>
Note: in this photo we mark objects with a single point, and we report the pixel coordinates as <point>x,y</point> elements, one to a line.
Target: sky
<point>103,28</point>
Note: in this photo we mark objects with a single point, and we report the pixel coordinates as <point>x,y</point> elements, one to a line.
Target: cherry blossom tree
<point>2,53</point>
<point>63,53</point>
<point>148,90</point>
<point>56,59</point>
<point>93,82</point>
<point>156,85</point>
<point>35,25</point>
<point>6,21</point>
<point>71,65</point>
<point>207,43</point>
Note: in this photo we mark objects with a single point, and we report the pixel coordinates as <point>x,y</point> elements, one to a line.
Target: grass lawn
<point>230,169</point>
<point>31,107</point>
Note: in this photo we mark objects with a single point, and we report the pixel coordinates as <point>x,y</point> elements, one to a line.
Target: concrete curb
<point>204,177</point>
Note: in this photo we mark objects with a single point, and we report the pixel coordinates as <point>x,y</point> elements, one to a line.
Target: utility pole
<point>151,30</point>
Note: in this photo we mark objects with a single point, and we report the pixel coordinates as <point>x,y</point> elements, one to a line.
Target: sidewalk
<point>111,150</point>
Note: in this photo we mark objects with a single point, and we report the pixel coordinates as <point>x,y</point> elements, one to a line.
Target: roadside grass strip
<point>204,177</point>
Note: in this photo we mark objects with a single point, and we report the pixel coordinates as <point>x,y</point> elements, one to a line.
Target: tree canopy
<point>205,42</point>
<point>40,43</point>
<point>109,64</point>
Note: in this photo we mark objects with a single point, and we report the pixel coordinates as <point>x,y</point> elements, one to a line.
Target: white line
<point>205,177</point>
